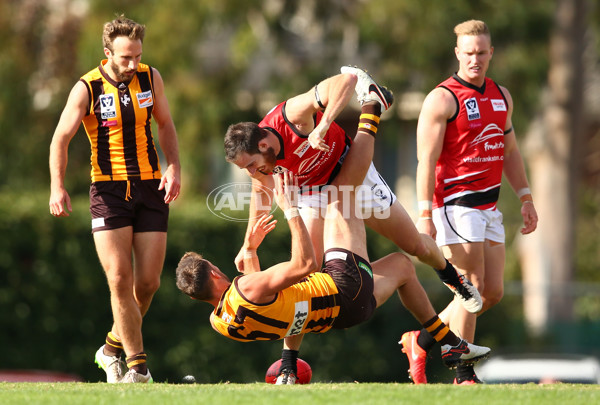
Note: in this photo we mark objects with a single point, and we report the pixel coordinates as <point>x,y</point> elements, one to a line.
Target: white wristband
<point>425,205</point>
<point>291,213</point>
<point>249,254</point>
<point>523,191</point>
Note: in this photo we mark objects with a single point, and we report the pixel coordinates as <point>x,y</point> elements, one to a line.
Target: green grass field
<point>318,393</point>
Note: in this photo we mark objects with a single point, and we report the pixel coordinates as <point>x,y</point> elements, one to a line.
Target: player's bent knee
<point>393,266</point>
<point>419,249</point>
<point>403,268</point>
<point>404,261</point>
<point>491,298</point>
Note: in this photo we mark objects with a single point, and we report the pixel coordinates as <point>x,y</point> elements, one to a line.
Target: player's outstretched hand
<point>286,190</point>
<point>261,228</point>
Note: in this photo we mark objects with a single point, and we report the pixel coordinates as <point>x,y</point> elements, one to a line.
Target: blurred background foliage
<point>224,62</point>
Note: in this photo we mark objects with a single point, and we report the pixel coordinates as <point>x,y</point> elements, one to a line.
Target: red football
<point>304,372</point>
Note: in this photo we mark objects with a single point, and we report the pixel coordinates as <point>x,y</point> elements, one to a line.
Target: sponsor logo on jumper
<point>490,131</point>
<point>497,145</point>
<point>302,149</point>
<point>312,163</point>
<point>300,317</point>
<point>110,123</point>
<point>308,164</point>
<point>145,99</point>
<point>480,159</point>
<point>498,105</point>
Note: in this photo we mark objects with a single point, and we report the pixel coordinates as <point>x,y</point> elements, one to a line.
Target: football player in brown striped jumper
<point>129,194</point>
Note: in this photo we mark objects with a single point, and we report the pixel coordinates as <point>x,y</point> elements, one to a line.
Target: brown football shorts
<point>353,278</point>
<point>136,203</point>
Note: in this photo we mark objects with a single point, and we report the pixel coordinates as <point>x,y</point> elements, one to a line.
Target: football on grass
<point>303,377</point>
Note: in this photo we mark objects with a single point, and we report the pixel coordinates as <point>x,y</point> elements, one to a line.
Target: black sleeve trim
<point>318,98</point>
<point>457,105</point>
<point>89,91</point>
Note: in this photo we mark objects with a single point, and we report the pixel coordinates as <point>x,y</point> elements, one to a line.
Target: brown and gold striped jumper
<point>308,306</point>
<point>118,125</point>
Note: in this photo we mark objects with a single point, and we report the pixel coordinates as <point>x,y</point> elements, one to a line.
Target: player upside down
<point>295,297</point>
<point>302,136</point>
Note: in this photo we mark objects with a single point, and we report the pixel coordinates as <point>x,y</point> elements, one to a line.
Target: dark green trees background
<point>224,62</point>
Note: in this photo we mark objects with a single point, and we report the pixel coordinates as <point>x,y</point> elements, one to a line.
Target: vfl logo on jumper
<point>144,99</point>
<point>107,106</point>
<point>472,109</point>
<point>490,131</point>
<point>302,149</point>
<point>498,105</point>
<point>300,316</point>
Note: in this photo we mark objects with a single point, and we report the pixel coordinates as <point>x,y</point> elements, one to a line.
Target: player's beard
<point>270,158</point>
<point>122,74</point>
